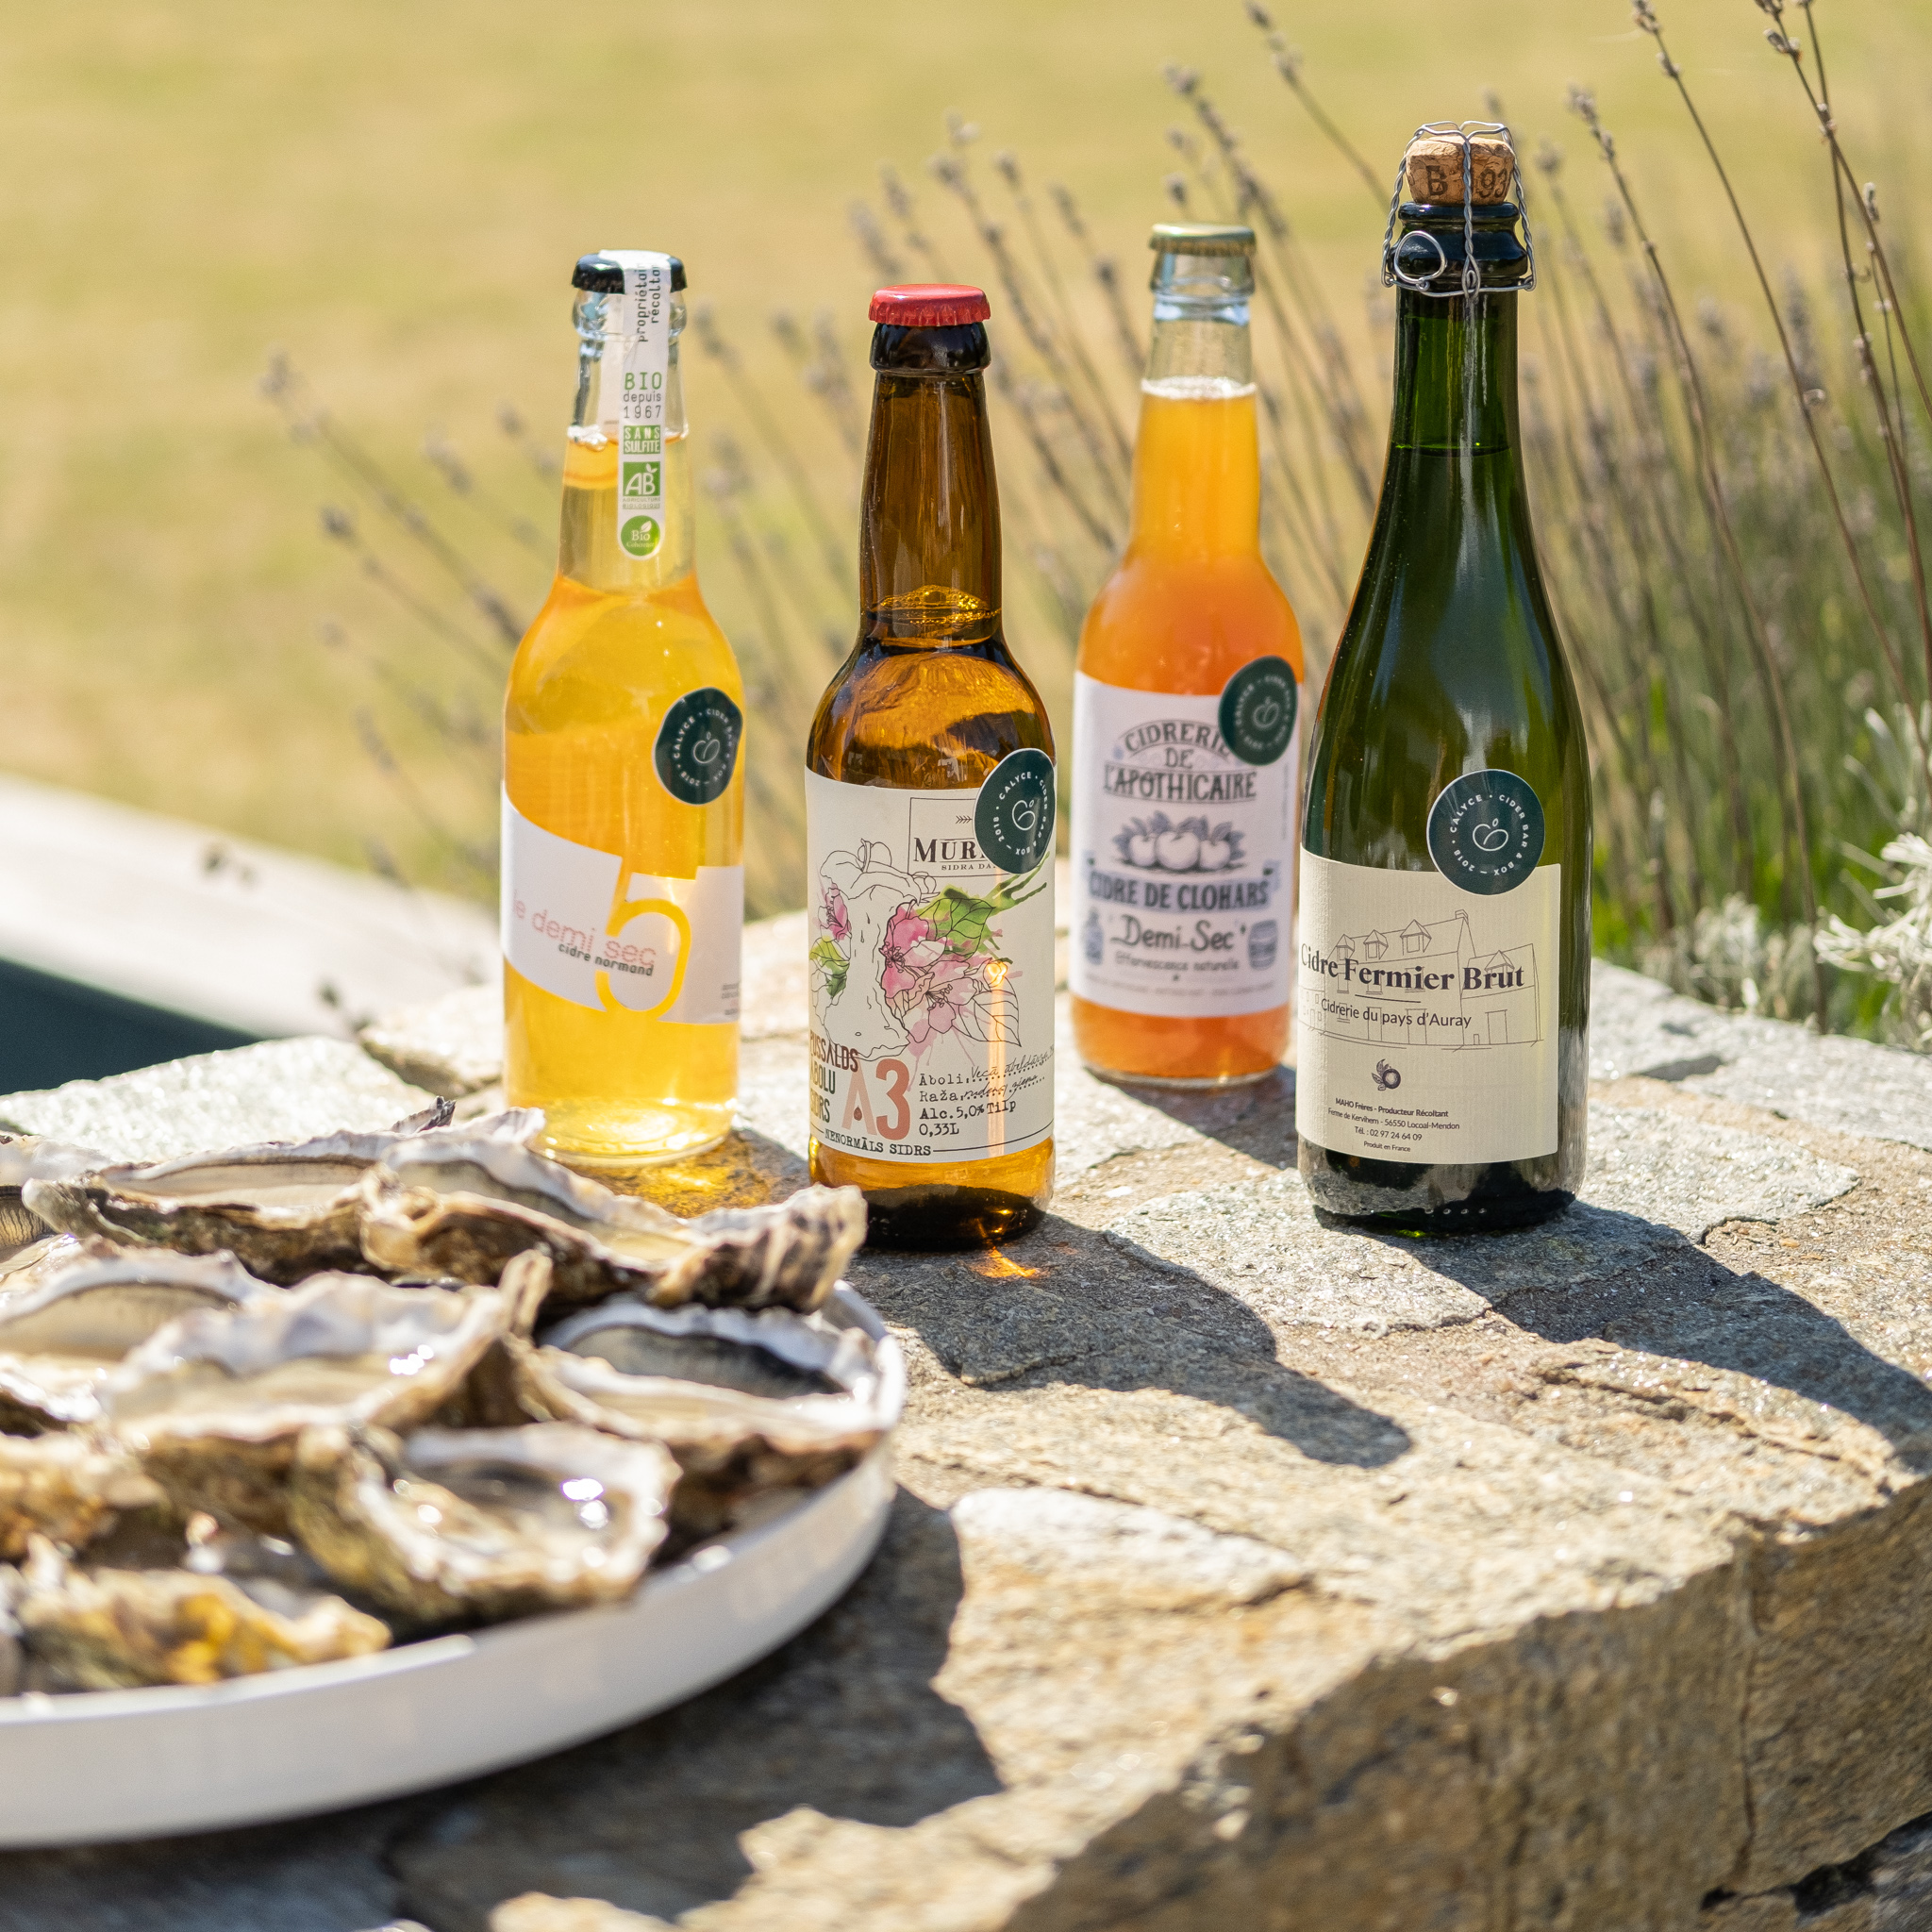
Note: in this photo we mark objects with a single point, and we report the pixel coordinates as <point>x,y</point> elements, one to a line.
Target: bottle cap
<point>930,304</point>
<point>1201,237</point>
<point>1433,169</point>
<point>601,274</point>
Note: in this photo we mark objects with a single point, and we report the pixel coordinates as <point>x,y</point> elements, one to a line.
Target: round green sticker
<point>1485,831</point>
<point>1257,711</point>
<point>641,536</point>
<point>697,745</point>
<point>1014,819</point>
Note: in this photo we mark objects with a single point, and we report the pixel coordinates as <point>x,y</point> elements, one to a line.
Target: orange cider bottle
<point>623,799</point>
<point>1185,717</point>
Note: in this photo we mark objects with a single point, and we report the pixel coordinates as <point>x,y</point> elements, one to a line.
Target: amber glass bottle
<point>929,802</point>
<point>623,791</point>
<point>1185,709</point>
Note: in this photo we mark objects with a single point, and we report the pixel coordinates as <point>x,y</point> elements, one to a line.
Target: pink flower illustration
<point>909,947</point>
<point>833,916</point>
<point>948,989</point>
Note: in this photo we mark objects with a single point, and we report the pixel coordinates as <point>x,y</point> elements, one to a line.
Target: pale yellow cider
<point>617,642</point>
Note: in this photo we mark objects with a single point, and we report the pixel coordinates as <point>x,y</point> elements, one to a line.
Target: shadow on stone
<point>843,1720</point>
<point>1682,1304</point>
<point>1072,1304</point>
<point>1255,1119</point>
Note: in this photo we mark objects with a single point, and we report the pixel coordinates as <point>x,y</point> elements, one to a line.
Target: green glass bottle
<point>1442,999</point>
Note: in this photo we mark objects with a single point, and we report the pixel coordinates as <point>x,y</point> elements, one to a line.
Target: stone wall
<point>1252,1573</point>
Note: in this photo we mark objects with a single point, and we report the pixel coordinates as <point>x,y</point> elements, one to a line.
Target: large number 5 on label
<point>895,1074</point>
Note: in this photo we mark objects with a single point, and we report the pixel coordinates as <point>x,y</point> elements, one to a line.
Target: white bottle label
<point>645,321</point>
<point>573,924</point>
<point>1183,851</point>
<point>1425,1013</point>
<point>932,965</point>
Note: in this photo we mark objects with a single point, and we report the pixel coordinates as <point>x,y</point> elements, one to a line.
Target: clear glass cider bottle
<point>608,672</point>
<point>1450,674</point>
<point>1191,605</point>
<point>931,700</point>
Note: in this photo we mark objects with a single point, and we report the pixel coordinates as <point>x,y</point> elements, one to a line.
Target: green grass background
<point>395,193</point>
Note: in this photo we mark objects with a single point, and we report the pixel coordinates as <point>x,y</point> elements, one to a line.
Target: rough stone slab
<point>281,1089</point>
<point>1846,1085</point>
<point>1592,1591</point>
<point>1653,1181</point>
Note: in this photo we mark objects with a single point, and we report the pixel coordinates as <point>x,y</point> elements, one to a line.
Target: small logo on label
<point>643,479</point>
<point>1257,711</point>
<point>643,439</point>
<point>1013,821</point>
<point>1385,1076</point>
<point>1264,938</point>
<point>1487,831</point>
<point>639,535</point>
<point>697,745</point>
<point>1093,940</point>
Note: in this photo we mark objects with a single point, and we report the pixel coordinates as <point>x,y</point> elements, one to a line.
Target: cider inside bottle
<point>1191,605</point>
<point>623,796</point>
<point>932,948</point>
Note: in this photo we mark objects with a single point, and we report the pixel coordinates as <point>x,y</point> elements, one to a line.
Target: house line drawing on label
<point>1423,985</point>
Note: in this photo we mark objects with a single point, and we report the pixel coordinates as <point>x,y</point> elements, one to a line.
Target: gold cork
<point>1434,168</point>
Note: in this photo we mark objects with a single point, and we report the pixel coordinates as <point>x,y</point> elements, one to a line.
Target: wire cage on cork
<point>1471,161</point>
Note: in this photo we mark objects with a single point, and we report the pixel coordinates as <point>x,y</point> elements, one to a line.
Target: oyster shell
<point>114,1629</point>
<point>480,1523</point>
<point>13,1652</point>
<point>25,1157</point>
<point>212,1404</point>
<point>287,1209</point>
<point>69,1320</point>
<point>447,1206</point>
<point>67,1487</point>
<point>750,1404</point>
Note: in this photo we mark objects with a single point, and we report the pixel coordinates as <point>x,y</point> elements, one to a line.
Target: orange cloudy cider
<point>1186,718</point>
<point>623,884</point>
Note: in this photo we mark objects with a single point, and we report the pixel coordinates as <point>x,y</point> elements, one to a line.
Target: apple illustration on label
<point>1178,850</point>
<point>705,752</point>
<point>1140,850</point>
<point>1267,713</point>
<point>1492,836</point>
<point>1025,815</point>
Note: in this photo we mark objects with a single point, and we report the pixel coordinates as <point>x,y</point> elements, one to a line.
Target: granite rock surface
<point>1249,1571</point>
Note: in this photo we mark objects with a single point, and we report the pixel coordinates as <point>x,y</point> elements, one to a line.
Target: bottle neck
<point>1455,374</point>
<point>1197,458</point>
<point>588,552</point>
<point>929,521</point>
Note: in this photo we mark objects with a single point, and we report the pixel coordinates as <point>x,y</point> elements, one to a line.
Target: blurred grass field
<point>395,196</point>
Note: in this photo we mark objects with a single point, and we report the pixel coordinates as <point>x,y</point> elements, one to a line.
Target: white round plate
<point>93,1767</point>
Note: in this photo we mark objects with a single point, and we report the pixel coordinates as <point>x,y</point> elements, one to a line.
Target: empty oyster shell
<point>286,1208</point>
<point>114,1629</point>
<point>445,1206</point>
<point>212,1404</point>
<point>67,1487</point>
<point>480,1523</point>
<point>748,1404</point>
<point>66,1322</point>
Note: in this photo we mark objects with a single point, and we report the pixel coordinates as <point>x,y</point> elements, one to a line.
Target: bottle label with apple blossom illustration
<point>1183,846</point>
<point>931,965</point>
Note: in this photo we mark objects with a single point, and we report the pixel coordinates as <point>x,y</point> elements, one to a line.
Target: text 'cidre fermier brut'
<point>1186,716</point>
<point>929,827</point>
<point>1442,997</point>
<point>623,799</point>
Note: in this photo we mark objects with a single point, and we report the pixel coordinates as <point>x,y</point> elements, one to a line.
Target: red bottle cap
<point>930,304</point>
